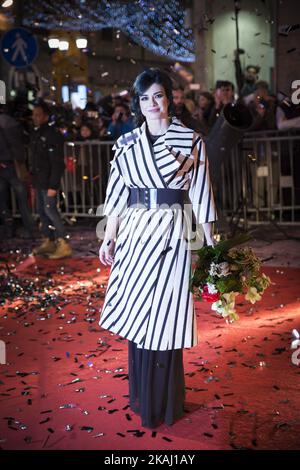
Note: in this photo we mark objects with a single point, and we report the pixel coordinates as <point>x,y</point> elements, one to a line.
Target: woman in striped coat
<point>159,182</point>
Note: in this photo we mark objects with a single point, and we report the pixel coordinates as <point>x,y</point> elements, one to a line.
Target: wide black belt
<point>151,198</point>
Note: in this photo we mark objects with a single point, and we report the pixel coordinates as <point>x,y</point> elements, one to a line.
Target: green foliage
<point>229,284</point>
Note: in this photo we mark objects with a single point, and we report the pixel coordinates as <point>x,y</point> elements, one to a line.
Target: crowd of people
<point>111,116</point>
<point>45,127</point>
<point>199,111</point>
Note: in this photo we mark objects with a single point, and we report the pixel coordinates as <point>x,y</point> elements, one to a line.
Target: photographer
<point>121,122</point>
<point>262,107</point>
<point>181,111</point>
<point>250,80</point>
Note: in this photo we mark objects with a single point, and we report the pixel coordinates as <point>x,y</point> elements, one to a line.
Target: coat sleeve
<point>201,192</point>
<point>117,193</point>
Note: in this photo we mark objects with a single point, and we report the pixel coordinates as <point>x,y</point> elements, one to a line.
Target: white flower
<point>229,308</point>
<point>252,295</point>
<point>226,306</point>
<point>213,269</point>
<point>219,270</point>
<point>230,297</point>
<point>218,307</point>
<point>211,288</point>
<point>224,267</point>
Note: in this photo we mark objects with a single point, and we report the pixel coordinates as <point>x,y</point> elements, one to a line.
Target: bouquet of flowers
<point>222,272</point>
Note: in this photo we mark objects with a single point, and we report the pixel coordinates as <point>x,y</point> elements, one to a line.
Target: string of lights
<point>156,25</point>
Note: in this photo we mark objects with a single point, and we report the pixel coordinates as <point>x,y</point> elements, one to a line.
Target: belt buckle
<point>152,199</point>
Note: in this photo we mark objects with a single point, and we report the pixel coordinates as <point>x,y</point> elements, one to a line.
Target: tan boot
<point>63,250</point>
<point>48,246</point>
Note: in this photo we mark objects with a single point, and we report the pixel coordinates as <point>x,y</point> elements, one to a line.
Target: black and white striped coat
<point>147,298</point>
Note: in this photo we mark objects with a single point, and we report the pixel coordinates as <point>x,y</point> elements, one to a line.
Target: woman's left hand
<point>106,252</point>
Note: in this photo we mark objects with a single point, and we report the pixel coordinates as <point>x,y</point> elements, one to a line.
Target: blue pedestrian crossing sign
<point>19,47</point>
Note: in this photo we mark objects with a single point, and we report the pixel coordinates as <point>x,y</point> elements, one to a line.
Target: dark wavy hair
<point>43,105</point>
<point>142,82</point>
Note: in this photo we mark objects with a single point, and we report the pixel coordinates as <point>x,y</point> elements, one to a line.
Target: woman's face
<point>154,102</point>
<point>203,101</point>
<point>85,132</point>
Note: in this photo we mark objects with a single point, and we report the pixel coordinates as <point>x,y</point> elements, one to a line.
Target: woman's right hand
<point>106,252</point>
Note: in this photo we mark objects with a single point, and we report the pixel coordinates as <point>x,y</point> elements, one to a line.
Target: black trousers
<point>49,215</point>
<point>156,385</point>
<point>8,178</point>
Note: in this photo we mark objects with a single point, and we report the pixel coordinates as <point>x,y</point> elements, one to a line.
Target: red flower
<point>209,297</point>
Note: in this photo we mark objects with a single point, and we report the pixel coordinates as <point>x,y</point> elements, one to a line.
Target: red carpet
<point>65,385</point>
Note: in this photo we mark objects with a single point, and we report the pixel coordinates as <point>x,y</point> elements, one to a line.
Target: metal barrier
<point>85,178</point>
<point>260,182</point>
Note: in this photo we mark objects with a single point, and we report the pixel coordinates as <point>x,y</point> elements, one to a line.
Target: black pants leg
<point>49,215</point>
<point>8,178</point>
<point>156,385</point>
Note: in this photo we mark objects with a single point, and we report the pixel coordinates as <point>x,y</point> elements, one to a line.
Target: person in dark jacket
<point>204,113</point>
<point>223,95</point>
<point>47,166</point>
<point>121,122</point>
<point>182,113</point>
<point>262,106</point>
<point>11,152</point>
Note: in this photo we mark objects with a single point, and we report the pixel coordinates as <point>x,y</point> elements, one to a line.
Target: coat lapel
<point>179,138</point>
<point>177,144</point>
